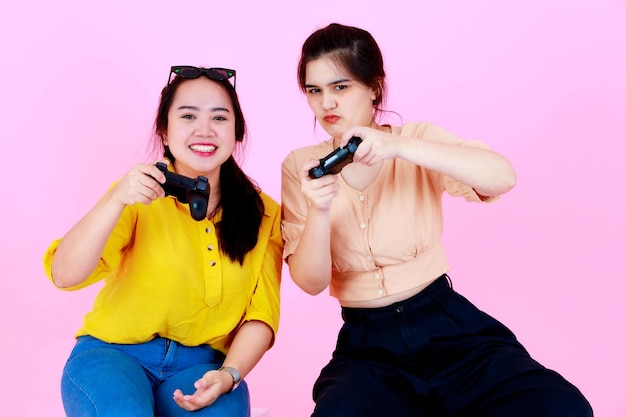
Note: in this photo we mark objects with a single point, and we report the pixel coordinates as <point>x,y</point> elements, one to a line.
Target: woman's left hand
<point>208,389</point>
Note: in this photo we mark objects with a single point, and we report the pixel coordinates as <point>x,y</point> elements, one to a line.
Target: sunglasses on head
<point>186,71</point>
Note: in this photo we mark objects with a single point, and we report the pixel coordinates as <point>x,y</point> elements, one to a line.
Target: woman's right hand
<point>79,251</point>
<point>310,264</point>
<point>321,191</point>
<point>142,184</point>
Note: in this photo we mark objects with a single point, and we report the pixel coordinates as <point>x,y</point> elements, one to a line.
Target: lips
<point>204,148</point>
<point>331,118</point>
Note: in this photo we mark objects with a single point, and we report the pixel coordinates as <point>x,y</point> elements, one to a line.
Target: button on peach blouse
<point>385,239</point>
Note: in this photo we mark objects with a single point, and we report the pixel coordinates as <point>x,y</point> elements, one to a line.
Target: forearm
<point>310,265</point>
<point>487,172</point>
<point>250,344</point>
<point>80,249</point>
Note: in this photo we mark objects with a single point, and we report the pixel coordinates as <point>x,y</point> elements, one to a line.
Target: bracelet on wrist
<point>234,374</point>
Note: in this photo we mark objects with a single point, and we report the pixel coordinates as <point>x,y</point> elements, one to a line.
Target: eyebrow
<point>339,81</point>
<point>213,109</point>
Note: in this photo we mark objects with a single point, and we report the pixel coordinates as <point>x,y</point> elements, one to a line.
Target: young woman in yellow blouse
<point>188,307</point>
<point>410,345</point>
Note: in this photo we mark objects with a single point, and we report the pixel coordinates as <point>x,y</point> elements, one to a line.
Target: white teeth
<point>203,148</point>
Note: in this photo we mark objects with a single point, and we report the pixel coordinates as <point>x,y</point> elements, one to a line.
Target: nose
<point>204,127</point>
<point>328,101</point>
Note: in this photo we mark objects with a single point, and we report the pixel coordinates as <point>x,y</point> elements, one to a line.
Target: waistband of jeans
<point>439,287</point>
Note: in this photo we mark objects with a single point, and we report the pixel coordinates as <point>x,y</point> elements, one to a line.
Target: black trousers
<point>436,354</point>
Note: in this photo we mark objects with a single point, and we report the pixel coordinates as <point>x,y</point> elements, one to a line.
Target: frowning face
<point>337,100</point>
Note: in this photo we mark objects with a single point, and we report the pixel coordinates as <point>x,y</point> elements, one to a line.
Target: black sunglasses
<point>217,74</point>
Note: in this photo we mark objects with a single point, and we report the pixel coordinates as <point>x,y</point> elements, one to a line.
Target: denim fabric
<point>112,380</point>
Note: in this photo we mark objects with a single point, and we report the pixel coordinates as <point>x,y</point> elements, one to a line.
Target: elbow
<point>503,184</point>
<point>512,182</point>
<point>311,288</point>
<point>506,180</point>
<point>61,282</point>
<point>503,176</point>
<point>509,180</point>
<point>56,276</point>
<point>310,284</point>
<point>63,278</point>
<point>311,277</point>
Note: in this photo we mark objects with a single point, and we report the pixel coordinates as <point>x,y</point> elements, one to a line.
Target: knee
<point>339,406</point>
<point>572,405</point>
<point>334,410</point>
<point>76,401</point>
<point>579,407</point>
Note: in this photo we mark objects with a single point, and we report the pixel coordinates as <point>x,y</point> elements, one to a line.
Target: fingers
<point>306,167</point>
<point>156,173</point>
<point>187,402</point>
<point>321,191</point>
<point>142,184</point>
<point>368,137</point>
<point>195,401</point>
<point>375,146</point>
<point>208,390</point>
<point>145,182</point>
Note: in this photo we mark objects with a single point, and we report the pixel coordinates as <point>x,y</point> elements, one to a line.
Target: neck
<point>214,200</point>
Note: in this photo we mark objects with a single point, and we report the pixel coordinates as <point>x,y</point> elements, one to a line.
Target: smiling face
<point>337,100</point>
<point>200,128</point>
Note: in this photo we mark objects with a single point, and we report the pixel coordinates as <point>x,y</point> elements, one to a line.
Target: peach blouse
<point>385,239</point>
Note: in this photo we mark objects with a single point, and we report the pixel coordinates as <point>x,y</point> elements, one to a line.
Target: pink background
<point>542,81</point>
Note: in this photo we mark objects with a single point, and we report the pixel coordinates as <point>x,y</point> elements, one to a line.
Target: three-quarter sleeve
<point>265,301</point>
<point>111,254</point>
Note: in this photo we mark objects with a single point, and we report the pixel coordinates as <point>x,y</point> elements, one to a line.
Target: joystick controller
<point>336,160</point>
<point>194,192</point>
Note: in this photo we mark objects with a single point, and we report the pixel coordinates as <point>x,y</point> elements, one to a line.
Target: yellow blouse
<point>164,275</point>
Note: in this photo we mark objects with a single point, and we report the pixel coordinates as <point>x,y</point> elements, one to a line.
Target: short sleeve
<point>294,205</point>
<point>453,187</point>
<point>458,189</point>
<point>265,303</point>
<point>111,255</point>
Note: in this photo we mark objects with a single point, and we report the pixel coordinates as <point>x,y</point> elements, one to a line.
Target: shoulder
<point>434,133</point>
<point>426,130</point>
<point>305,153</point>
<point>271,206</point>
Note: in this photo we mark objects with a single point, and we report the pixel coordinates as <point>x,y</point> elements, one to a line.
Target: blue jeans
<point>104,379</point>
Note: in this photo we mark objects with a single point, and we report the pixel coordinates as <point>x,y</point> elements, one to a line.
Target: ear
<point>164,139</point>
<point>376,92</point>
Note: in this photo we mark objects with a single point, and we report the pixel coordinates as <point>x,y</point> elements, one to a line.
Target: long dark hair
<point>354,50</point>
<point>240,201</point>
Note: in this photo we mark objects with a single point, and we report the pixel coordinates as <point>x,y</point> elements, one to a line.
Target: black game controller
<point>336,160</point>
<point>194,192</point>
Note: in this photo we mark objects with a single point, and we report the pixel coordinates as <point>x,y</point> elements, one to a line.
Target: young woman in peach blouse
<point>410,345</point>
